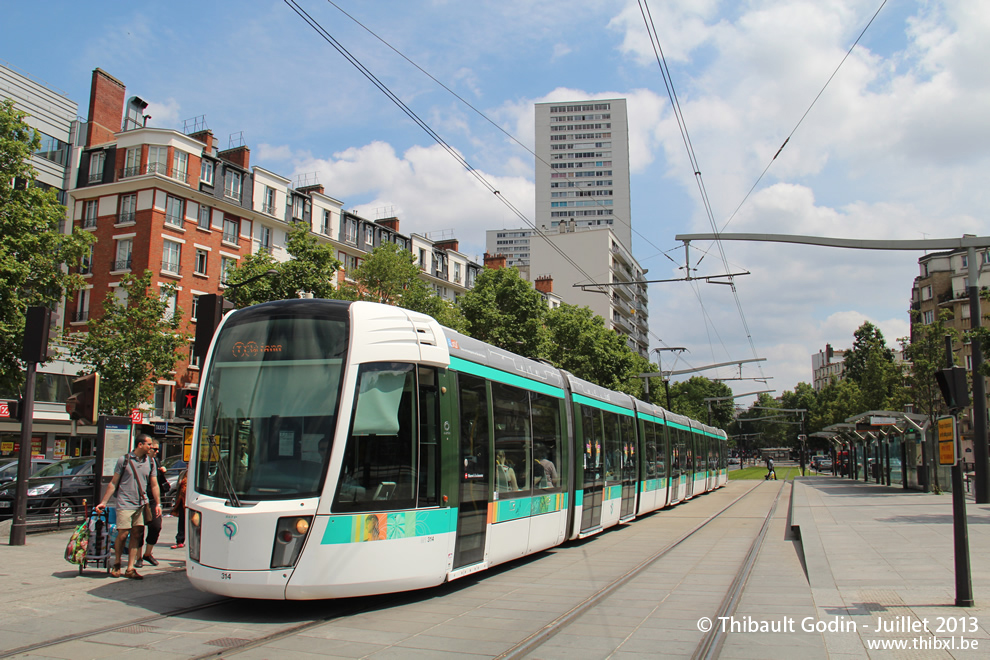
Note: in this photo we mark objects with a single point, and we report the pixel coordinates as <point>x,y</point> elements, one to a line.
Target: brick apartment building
<point>176,204</point>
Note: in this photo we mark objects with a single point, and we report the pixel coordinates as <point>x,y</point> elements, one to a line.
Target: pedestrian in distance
<point>770,472</point>
<point>132,477</point>
<point>154,526</point>
<point>179,510</point>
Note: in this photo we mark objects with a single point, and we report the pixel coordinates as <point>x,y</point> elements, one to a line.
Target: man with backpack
<point>770,473</point>
<point>132,478</point>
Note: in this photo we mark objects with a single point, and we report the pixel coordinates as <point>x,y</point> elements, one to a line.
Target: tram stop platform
<point>838,556</point>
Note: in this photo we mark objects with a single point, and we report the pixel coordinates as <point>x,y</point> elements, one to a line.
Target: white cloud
<point>425,187</point>
<point>165,114</point>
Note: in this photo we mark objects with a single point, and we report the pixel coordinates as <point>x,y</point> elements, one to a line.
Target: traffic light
<point>85,399</point>
<point>209,311</point>
<point>955,389</point>
<point>185,403</point>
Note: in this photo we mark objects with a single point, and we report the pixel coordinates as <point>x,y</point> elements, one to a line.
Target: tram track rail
<point>709,646</point>
<point>87,634</point>
<point>711,643</point>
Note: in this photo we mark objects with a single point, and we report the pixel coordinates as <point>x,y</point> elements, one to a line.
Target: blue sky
<point>896,147</point>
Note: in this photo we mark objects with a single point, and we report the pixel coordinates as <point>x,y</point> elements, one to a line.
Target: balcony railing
<point>174,220</point>
<point>122,264</point>
<point>268,208</point>
<point>80,316</point>
<point>125,218</point>
<point>229,237</point>
<point>154,168</point>
<point>170,266</point>
<point>89,222</point>
<point>96,177</point>
<point>267,249</point>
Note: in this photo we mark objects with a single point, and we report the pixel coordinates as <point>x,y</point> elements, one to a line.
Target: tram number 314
<point>225,576</point>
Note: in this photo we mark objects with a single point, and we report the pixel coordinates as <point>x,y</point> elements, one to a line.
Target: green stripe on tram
<point>491,373</point>
<point>524,507</point>
<point>595,403</point>
<point>651,418</point>
<point>388,526</point>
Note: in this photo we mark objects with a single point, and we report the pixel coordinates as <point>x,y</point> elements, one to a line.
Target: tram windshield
<point>269,407</point>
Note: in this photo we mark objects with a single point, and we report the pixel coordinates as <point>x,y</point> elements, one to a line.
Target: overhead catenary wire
<point>384,42</point>
<point>699,180</point>
<point>329,38</point>
<point>801,120</point>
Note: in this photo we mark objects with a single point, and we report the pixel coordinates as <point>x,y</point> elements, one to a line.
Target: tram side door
<point>630,470</point>
<point>593,472</point>
<point>474,471</point>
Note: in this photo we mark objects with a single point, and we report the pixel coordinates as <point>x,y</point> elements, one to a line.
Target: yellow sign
<point>187,438</point>
<point>946,440</point>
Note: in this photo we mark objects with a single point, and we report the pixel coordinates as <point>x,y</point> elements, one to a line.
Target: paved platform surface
<point>868,555</point>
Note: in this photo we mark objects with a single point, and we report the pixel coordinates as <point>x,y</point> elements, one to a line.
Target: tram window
<point>591,433</point>
<point>629,459</point>
<point>474,426</point>
<point>429,438</point>
<point>547,440</point>
<point>379,467</point>
<point>612,447</point>
<point>513,439</point>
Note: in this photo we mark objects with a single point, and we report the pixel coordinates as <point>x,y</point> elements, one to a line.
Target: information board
<point>947,440</point>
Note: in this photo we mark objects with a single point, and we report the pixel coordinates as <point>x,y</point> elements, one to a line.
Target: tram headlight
<point>194,534</point>
<point>290,534</point>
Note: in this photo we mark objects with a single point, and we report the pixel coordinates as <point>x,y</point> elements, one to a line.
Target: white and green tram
<point>350,448</point>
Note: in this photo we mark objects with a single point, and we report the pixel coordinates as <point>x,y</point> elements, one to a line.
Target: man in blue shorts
<point>132,478</point>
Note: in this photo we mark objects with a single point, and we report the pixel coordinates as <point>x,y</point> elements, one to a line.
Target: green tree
<point>754,422</point>
<point>33,250</point>
<point>390,275</point>
<point>505,310</point>
<point>312,269</point>
<point>836,402</point>
<point>926,351</point>
<point>687,397</point>
<point>133,344</point>
<point>870,364</point>
<point>578,341</point>
<point>387,273</point>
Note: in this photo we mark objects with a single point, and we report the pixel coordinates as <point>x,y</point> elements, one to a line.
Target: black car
<point>56,491</point>
<point>8,468</point>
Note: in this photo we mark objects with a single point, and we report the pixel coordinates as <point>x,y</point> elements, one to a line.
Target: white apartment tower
<point>583,215</point>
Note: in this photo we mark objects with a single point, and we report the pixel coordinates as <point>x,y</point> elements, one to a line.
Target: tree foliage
<point>926,351</point>
<point>505,310</point>
<point>578,341</point>
<point>389,275</point>
<point>870,364</point>
<point>312,269</point>
<point>134,344</point>
<point>688,398</point>
<point>33,250</point>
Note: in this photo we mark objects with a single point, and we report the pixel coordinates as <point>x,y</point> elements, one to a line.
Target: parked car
<point>825,465</point>
<point>733,461</point>
<point>8,468</point>
<point>56,490</point>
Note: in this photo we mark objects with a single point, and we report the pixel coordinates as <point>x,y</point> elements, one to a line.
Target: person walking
<point>131,480</point>
<point>154,526</point>
<point>179,510</point>
<point>770,472</point>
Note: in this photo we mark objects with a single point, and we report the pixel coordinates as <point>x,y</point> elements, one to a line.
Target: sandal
<point>178,545</point>
<point>115,571</point>
<point>132,574</point>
